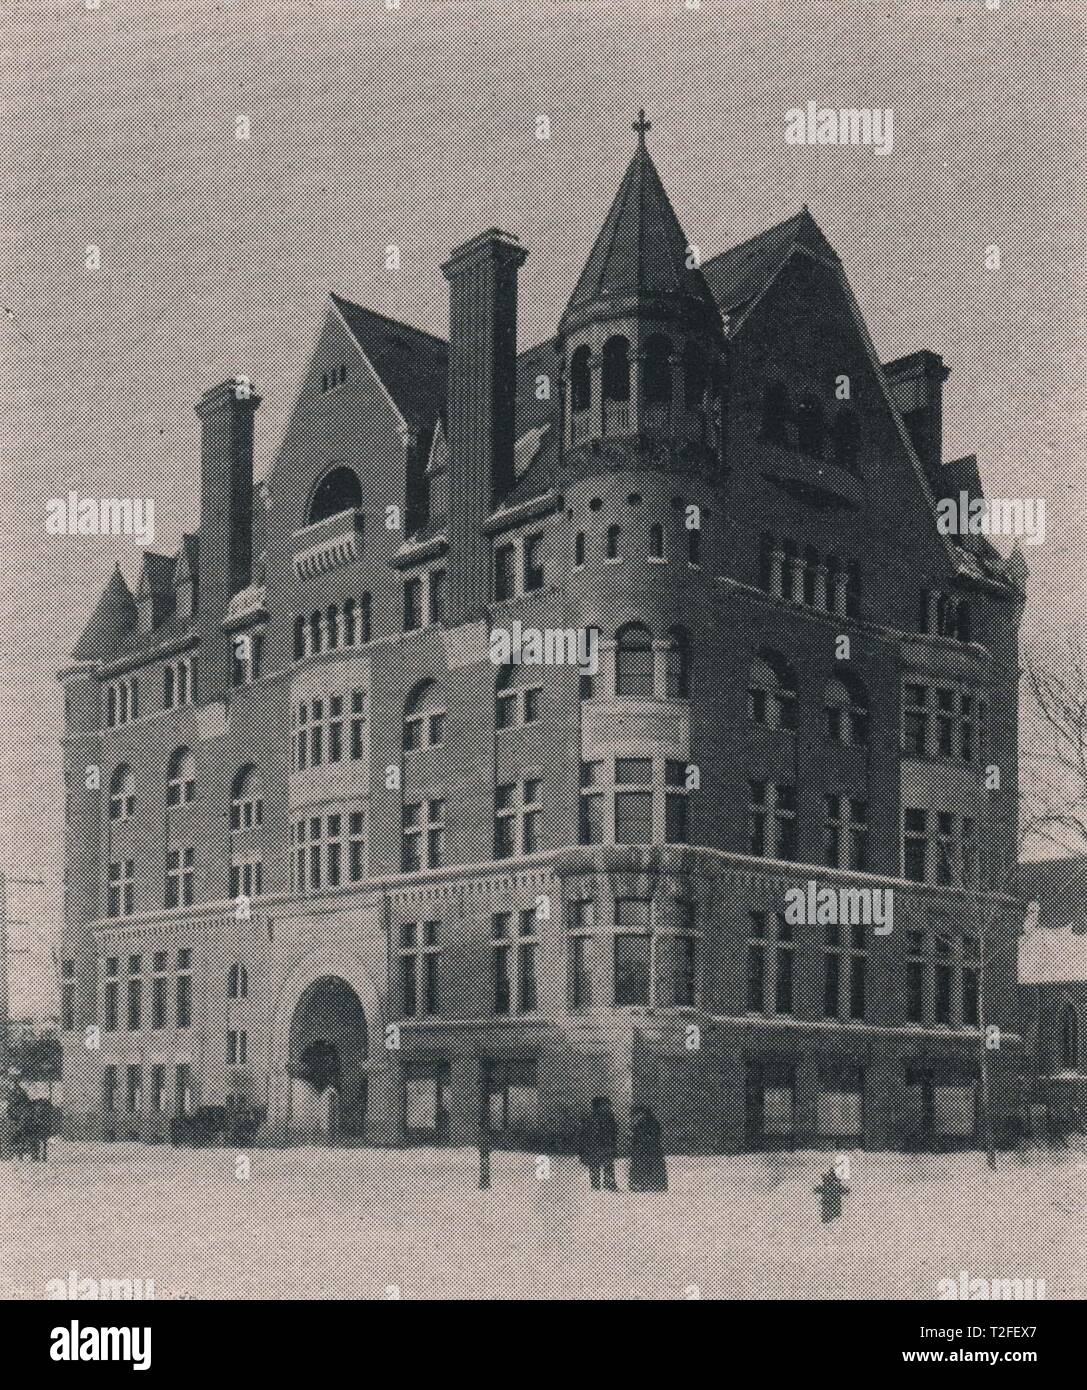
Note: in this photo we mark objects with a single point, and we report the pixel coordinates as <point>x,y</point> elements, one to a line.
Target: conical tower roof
<point>640,256</point>
<point>113,618</point>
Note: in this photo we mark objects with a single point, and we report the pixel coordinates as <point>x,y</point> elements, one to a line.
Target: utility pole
<point>6,952</point>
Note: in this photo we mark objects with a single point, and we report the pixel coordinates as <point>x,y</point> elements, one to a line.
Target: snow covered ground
<point>349,1223</point>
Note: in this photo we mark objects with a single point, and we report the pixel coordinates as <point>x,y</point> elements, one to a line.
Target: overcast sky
<point>418,127</point>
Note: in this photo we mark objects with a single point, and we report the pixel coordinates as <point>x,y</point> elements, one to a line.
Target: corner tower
<point>641,339</point>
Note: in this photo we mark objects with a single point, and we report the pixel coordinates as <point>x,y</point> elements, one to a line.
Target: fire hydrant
<point>831,1190</point>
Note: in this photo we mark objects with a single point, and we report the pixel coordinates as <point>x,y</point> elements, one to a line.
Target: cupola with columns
<point>641,340</point>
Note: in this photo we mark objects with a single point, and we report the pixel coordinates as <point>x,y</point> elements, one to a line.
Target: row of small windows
<point>336,377</point>
<point>772,701</point>
<point>944,615</point>
<point>802,575</point>
<point>183,1089</point>
<point>940,847</point>
<point>613,544</point>
<point>160,984</point>
<point>246,800</point>
<point>807,426</point>
<point>657,358</point>
<point>334,628</point>
<point>938,722</point>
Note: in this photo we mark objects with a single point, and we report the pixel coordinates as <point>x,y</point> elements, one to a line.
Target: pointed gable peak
<point>113,618</point>
<point>641,253</point>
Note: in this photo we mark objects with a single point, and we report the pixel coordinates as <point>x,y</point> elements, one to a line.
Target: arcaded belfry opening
<point>327,1061</point>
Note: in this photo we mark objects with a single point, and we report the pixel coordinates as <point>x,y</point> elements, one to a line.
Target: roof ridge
<point>386,318</point>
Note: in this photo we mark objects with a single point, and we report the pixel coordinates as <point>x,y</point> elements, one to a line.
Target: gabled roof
<point>736,276</point>
<point>114,616</point>
<point>411,365</point>
<point>641,251</point>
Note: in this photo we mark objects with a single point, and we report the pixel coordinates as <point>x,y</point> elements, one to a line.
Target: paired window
<point>517,697</point>
<point>845,971</point>
<point>237,1047</point>
<point>423,836</point>
<point>181,778</point>
<point>121,889</point>
<point>424,717</point>
<point>514,943</point>
<point>772,820</point>
<point>180,869</point>
<point>945,615</point>
<point>770,964</point>
<point>418,956</point>
<point>122,793</point>
<point>179,683</point>
<point>517,808</point>
<point>845,833</point>
<point>336,377</point>
<point>532,571</point>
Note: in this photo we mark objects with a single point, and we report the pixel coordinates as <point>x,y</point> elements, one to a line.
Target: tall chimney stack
<point>482,276</point>
<point>225,554</point>
<point>917,388</point>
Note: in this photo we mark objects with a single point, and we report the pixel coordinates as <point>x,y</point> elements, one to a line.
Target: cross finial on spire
<point>640,126</point>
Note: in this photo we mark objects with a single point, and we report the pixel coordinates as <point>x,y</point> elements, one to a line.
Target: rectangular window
<point>409,963</point>
<point>335,728</point>
<point>436,596</point>
<point>505,558</point>
<point>183,1093</point>
<point>633,925</point>
<point>591,826</point>
<point>158,1001</point>
<point>915,721</point>
<point>501,932</point>
<point>526,962</point>
<point>158,1089</point>
<point>915,844</point>
<point>504,821</point>
<point>511,1097</point>
<point>135,1004</point>
<point>67,996</point>
<point>945,723</point>
<point>133,1089</point>
<point>413,604</point>
<point>358,715</point>
<point>783,983</point>
<point>109,1089</point>
<point>581,991</point>
<point>533,571</point>
<point>184,990</point>
<point>756,963</point>
<point>412,850</point>
<point>356,866</point>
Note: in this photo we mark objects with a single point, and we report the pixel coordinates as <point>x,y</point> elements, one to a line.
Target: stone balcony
<point>327,544</point>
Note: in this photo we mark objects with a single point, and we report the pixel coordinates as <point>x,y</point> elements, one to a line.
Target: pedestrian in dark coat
<point>598,1144</point>
<point>648,1170</point>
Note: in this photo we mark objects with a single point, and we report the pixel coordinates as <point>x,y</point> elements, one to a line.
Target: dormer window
<point>336,377</point>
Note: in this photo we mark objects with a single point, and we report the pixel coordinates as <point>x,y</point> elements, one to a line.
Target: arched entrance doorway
<point>327,1060</point>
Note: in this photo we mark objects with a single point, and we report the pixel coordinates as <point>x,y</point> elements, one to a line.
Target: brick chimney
<point>225,553</point>
<point>482,276</point>
<point>917,388</point>
<point>226,494</point>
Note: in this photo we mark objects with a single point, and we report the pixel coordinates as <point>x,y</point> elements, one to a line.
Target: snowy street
<point>351,1223</point>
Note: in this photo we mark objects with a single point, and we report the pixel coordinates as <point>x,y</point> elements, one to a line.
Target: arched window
<point>771,692</point>
<point>694,376</point>
<point>237,982</point>
<point>845,711</point>
<point>332,618</point>
<point>657,381</point>
<point>809,426</point>
<point>634,662</point>
<point>424,717</point>
<point>1069,1038</point>
<point>677,665</point>
<point>847,438</point>
<point>581,383</point>
<point>616,370</point>
<point>246,802</point>
<point>776,412</point>
<point>122,793</point>
<point>338,491</point>
<point>181,778</point>
<point>349,623</point>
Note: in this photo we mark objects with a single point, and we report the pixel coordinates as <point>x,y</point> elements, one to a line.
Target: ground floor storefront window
<point>840,1104</point>
<point>427,1101</point>
<point>941,1106</point>
<point>511,1098</point>
<point>770,1115</point>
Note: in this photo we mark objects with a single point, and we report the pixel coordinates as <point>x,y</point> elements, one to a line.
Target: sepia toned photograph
<point>545,664</point>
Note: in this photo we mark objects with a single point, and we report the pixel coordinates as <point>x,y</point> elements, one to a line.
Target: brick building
<point>350,868</point>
